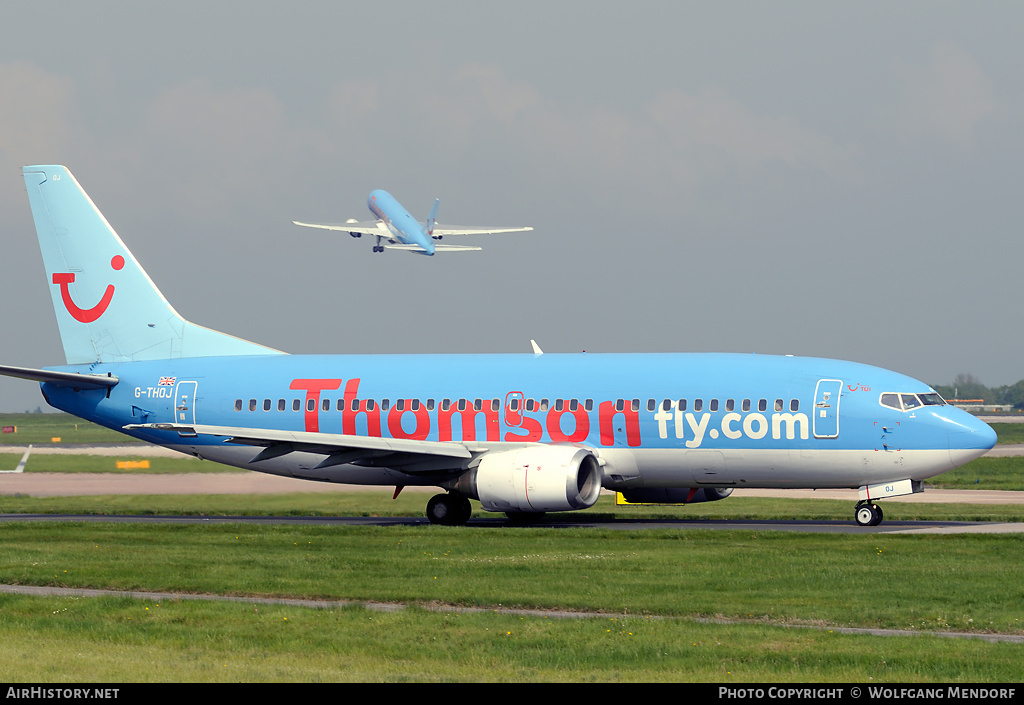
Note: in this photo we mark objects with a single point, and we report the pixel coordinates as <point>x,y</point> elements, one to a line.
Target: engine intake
<point>540,478</point>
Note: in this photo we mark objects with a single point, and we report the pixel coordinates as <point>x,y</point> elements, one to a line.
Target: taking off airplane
<point>403,232</point>
<point>520,433</point>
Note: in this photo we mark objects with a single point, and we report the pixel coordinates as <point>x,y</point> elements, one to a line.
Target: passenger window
<point>513,404</point>
<point>385,404</point>
<point>252,405</point>
<point>326,405</point>
<point>589,405</point>
<point>746,405</point>
<point>778,405</point>
<point>620,404</point>
<point>238,404</point>
<point>311,405</point>
<point>266,405</point>
<point>281,405</point>
<point>462,405</point>
<point>558,404</point>
<point>730,404</point>
<point>574,404</point>
<point>698,404</point>
<point>430,404</point>
<point>296,405</point>
<point>543,405</point>
<point>495,404</point>
<point>681,405</point>
<point>762,405</point>
<point>400,404</point>
<point>651,405</point>
<point>666,405</point>
<point>446,404</point>
<point>531,405</point>
<point>794,405</point>
<point>714,405</point>
<point>636,405</point>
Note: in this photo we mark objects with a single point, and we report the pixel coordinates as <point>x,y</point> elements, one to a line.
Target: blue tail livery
<point>395,226</point>
<point>518,433</point>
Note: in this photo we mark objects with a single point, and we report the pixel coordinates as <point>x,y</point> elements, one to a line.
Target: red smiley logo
<point>86,315</point>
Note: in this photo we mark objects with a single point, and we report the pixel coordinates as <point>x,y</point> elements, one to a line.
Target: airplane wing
<point>366,227</point>
<point>453,230</point>
<point>404,454</point>
<point>437,248</point>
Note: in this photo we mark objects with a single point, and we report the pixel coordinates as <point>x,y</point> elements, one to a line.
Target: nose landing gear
<point>867,514</point>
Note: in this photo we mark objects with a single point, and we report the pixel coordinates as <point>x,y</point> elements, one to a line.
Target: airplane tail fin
<point>108,309</point>
<point>432,218</point>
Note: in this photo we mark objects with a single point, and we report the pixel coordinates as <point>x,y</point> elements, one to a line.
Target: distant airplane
<point>403,232</point>
<point>520,433</point>
<point>21,465</point>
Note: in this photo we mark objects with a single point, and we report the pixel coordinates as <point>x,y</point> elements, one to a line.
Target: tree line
<point>967,386</point>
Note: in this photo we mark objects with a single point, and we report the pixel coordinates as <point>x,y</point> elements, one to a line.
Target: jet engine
<point>539,478</point>
<point>675,495</point>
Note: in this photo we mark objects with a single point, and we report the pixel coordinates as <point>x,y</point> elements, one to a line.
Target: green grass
<point>655,588</point>
<point>74,463</point>
<point>1005,473</point>
<point>1009,432</point>
<point>39,429</point>
<point>117,640</point>
<point>967,583</point>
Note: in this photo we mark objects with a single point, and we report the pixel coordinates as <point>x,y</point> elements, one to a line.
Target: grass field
<point>654,588</point>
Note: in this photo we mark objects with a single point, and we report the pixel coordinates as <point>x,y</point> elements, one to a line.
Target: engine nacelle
<point>540,478</point>
<point>675,495</point>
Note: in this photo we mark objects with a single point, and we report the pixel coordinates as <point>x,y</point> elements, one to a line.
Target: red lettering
<point>606,418</point>
<point>313,388</point>
<point>422,421</point>
<point>533,429</point>
<point>468,421</point>
<point>348,414</point>
<point>555,425</point>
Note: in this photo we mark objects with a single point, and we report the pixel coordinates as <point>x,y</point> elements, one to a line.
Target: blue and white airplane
<point>403,232</point>
<point>520,433</point>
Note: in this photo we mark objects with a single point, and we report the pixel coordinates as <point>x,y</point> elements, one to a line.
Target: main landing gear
<point>867,514</point>
<point>449,509</point>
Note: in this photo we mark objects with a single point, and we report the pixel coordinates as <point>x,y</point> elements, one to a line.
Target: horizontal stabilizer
<point>437,248</point>
<point>74,380</point>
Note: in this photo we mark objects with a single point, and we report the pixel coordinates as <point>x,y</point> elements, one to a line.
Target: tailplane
<point>108,309</point>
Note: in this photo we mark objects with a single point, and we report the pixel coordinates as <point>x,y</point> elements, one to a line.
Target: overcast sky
<point>830,179</point>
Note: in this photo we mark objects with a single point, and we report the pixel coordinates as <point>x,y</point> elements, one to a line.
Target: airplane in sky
<point>21,463</point>
<point>403,232</point>
<point>519,433</point>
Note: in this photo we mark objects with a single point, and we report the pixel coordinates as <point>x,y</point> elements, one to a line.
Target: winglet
<point>536,348</point>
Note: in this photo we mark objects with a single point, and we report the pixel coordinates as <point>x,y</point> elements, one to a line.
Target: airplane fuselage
<point>399,222</point>
<point>654,420</point>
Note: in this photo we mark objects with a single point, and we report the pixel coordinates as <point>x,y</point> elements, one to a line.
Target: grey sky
<point>829,179</point>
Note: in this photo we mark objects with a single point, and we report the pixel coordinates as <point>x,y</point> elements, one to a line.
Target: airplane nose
<point>972,439</point>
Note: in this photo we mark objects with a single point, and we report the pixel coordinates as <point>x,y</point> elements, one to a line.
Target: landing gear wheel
<point>868,515</point>
<point>449,510</point>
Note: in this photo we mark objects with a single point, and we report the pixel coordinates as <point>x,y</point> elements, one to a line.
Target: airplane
<point>21,463</point>
<point>524,434</point>
<point>403,232</point>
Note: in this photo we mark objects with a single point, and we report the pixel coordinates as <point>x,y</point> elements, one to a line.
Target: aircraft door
<point>514,409</point>
<point>826,408</point>
<point>185,402</point>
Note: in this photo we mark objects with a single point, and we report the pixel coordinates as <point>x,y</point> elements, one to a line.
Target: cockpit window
<point>910,401</point>
<point>891,400</point>
<point>907,402</point>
